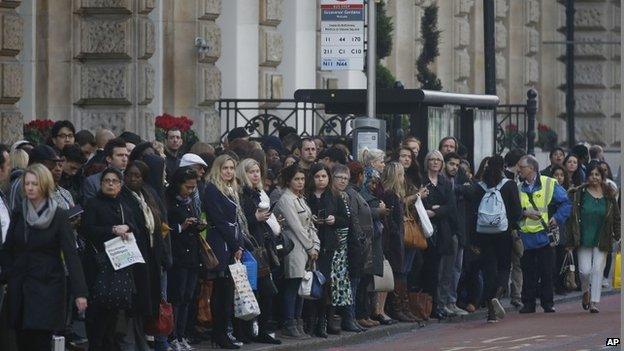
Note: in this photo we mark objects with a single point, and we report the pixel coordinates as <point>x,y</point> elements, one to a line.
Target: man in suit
<point>116,156</point>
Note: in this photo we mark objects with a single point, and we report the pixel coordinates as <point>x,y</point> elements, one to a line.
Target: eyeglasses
<point>65,136</point>
<point>341,178</point>
<point>435,160</point>
<point>111,181</point>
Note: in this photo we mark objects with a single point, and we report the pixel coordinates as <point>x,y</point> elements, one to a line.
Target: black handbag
<point>112,289</point>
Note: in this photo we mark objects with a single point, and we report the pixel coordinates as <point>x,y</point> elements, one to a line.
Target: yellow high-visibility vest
<point>541,198</point>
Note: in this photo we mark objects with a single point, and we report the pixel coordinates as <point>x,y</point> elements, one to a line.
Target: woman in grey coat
<point>299,228</point>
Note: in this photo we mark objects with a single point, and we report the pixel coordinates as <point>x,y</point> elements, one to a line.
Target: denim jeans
<point>449,272</point>
<point>293,303</point>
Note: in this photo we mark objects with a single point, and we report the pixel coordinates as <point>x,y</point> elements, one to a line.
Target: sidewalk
<point>383,331</point>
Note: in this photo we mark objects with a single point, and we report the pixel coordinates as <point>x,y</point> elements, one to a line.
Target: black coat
<point>445,219</point>
<point>362,227</point>
<point>35,270</point>
<point>146,276</point>
<point>377,247</point>
<point>394,231</point>
<point>184,243</point>
<point>328,205</point>
<point>261,231</point>
<point>101,213</point>
<point>463,196</point>
<point>223,235</point>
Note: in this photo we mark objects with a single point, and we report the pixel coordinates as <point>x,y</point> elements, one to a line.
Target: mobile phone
<point>322,214</point>
<point>74,212</point>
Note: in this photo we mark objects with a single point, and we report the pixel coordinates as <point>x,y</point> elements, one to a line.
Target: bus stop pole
<point>371,60</point>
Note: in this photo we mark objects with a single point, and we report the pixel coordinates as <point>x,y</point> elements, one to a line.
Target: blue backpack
<point>492,215</point>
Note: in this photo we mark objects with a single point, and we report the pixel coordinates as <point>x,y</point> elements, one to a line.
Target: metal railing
<point>511,127</point>
<point>264,117</point>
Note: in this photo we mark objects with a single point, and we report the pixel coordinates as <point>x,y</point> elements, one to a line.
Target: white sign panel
<point>342,35</point>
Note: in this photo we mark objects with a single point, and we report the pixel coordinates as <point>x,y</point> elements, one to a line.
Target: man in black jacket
<point>451,265</point>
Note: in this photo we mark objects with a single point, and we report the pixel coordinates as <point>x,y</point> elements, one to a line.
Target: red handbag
<point>163,323</point>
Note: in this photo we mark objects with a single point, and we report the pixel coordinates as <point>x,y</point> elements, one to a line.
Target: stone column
<point>298,29</point>
<point>209,77</point>
<point>502,49</point>
<point>271,48</point>
<point>402,59</point>
<point>597,72</point>
<point>11,43</point>
<point>462,57</point>
<point>112,81</point>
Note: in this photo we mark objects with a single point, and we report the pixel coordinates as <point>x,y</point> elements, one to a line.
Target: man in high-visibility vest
<point>538,194</point>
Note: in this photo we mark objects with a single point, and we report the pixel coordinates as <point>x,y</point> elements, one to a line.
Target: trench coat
<point>300,230</point>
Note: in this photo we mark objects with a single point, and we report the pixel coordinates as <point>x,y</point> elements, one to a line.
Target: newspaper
<point>123,253</point>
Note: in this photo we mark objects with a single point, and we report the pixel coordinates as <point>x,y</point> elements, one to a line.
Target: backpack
<point>492,215</point>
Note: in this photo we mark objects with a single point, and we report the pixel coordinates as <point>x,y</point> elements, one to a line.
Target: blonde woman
<point>258,215</point>
<point>226,239</point>
<point>393,181</point>
<point>373,158</point>
<point>38,247</point>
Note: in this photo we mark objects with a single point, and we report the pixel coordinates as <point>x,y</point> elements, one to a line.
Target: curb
<point>384,331</point>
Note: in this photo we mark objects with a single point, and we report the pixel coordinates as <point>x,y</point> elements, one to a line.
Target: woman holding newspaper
<point>105,218</point>
<point>38,247</point>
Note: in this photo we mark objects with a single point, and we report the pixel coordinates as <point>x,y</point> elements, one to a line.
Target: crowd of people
<point>295,205</point>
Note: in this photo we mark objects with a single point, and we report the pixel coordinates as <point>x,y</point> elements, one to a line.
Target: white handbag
<point>245,304</point>
<point>305,288</point>
<point>425,222</point>
<point>384,283</point>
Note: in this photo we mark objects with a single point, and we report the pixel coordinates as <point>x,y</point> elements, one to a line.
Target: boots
<point>348,321</point>
<point>407,311</point>
<point>333,321</point>
<point>290,329</point>
<point>396,310</point>
<point>320,327</point>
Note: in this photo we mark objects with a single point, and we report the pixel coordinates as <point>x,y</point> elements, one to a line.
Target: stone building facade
<point>119,63</point>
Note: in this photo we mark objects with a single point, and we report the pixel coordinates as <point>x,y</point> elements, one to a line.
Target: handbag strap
<point>530,195</point>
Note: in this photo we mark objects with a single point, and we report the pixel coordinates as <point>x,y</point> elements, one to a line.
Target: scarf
<point>36,220</point>
<point>147,213</point>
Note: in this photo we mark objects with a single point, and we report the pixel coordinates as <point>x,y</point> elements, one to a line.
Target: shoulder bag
<point>414,237</point>
<point>112,289</point>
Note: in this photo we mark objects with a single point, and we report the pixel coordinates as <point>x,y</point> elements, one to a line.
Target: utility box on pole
<point>370,133</point>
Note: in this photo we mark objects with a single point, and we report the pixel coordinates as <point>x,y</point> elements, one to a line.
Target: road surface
<point>569,329</point>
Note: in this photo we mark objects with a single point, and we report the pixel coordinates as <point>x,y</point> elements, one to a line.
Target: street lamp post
<point>489,47</point>
<point>570,103</point>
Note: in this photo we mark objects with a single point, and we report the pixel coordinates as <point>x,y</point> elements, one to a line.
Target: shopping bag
<point>425,222</point>
<point>617,272</point>
<point>420,304</point>
<point>251,264</point>
<point>311,287</point>
<point>245,303</point>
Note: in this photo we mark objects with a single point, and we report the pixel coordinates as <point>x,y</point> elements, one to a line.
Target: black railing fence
<point>511,127</point>
<point>261,118</point>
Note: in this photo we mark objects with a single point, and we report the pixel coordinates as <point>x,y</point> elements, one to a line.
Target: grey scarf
<point>34,219</point>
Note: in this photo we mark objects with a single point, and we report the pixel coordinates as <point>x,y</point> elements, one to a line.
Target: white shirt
<point>5,219</point>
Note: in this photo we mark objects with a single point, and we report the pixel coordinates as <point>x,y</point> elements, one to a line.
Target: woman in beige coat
<point>300,230</point>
